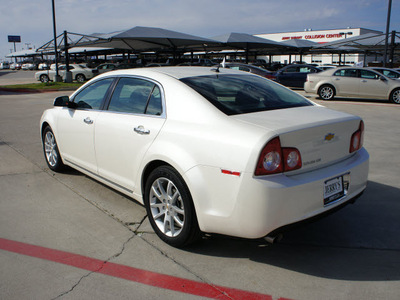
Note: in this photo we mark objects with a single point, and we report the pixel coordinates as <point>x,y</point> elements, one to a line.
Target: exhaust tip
<point>273,239</point>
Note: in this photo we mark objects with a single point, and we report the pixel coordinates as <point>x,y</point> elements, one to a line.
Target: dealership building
<point>320,36</point>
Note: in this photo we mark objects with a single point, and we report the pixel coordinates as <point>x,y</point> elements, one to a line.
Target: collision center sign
<point>313,36</point>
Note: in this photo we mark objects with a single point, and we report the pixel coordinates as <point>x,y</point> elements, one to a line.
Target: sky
<point>32,19</point>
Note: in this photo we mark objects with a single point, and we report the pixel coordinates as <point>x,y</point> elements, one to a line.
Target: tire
<point>80,78</point>
<point>170,207</point>
<point>395,96</point>
<point>326,92</point>
<point>44,78</point>
<point>51,152</point>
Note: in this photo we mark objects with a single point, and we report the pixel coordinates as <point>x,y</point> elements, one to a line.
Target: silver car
<point>353,82</point>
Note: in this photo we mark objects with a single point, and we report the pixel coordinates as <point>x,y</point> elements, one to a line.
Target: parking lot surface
<point>66,236</point>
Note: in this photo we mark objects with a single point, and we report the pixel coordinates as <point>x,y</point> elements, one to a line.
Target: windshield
<point>239,94</point>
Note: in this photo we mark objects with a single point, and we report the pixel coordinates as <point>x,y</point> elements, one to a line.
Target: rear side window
<point>239,94</point>
<point>137,96</point>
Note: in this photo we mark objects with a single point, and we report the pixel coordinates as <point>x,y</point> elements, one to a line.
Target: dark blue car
<point>295,75</point>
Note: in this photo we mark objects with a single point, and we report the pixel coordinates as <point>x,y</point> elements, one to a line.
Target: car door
<point>372,86</point>
<point>301,76</point>
<point>75,127</point>
<point>346,82</point>
<point>287,76</point>
<point>126,130</point>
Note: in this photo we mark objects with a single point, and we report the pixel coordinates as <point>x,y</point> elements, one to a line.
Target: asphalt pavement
<point>66,236</point>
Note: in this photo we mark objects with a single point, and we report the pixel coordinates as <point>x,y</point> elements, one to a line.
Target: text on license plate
<point>333,189</point>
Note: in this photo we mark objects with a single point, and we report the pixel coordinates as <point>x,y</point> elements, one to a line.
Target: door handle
<point>364,80</point>
<point>141,130</point>
<point>88,120</point>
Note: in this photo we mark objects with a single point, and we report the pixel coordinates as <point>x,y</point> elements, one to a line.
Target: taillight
<point>275,159</point>
<point>357,139</point>
<point>292,159</point>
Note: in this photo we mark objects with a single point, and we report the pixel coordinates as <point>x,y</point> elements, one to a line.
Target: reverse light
<point>357,139</point>
<point>275,159</point>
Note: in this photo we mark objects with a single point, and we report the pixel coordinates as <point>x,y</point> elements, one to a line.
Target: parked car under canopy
<point>208,150</point>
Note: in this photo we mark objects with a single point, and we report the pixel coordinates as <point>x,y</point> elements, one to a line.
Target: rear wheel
<point>80,78</point>
<point>395,96</point>
<point>326,92</point>
<point>170,207</point>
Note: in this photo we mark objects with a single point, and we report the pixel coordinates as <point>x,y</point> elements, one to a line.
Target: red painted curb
<point>132,274</point>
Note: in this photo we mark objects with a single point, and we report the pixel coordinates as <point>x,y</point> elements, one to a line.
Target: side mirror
<point>63,101</point>
<point>382,78</point>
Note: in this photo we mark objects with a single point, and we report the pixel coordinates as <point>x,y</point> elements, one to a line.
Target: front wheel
<point>395,96</point>
<point>170,207</point>
<point>44,78</point>
<point>51,152</point>
<point>326,92</point>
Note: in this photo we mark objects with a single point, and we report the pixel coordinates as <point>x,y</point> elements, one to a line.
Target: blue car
<point>295,75</point>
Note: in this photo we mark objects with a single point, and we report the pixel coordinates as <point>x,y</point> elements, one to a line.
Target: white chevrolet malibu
<point>208,150</point>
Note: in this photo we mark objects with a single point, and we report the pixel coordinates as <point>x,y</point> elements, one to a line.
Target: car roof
<point>176,72</point>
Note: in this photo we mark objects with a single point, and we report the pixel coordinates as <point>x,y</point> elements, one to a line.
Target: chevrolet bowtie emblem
<point>329,136</point>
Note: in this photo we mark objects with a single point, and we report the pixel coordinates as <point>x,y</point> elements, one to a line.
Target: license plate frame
<point>333,189</point>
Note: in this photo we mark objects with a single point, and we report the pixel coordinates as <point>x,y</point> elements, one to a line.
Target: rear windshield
<point>240,94</point>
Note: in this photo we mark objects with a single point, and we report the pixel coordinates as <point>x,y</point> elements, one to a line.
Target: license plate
<point>333,189</point>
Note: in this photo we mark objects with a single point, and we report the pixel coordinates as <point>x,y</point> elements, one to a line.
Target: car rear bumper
<point>253,207</point>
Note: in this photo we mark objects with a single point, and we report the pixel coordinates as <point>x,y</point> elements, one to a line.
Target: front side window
<point>305,70</point>
<point>239,94</point>
<point>138,96</point>
<point>291,70</point>
<point>93,95</point>
<point>368,74</point>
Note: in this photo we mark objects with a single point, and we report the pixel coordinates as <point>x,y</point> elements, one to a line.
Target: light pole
<point>387,32</point>
<point>57,78</point>
<point>345,37</point>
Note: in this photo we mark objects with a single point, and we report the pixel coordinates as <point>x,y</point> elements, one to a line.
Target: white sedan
<point>79,73</point>
<point>353,82</point>
<point>208,150</point>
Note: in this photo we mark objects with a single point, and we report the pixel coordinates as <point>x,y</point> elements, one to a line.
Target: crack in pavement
<point>96,271</point>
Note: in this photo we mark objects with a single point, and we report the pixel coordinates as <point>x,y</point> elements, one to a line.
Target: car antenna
<point>216,69</point>
<point>218,66</point>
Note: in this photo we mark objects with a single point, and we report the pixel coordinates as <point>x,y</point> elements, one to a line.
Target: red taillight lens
<point>275,159</point>
<point>270,160</point>
<point>357,139</point>
<point>292,159</point>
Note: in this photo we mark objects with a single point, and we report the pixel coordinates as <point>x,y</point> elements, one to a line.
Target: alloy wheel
<point>167,207</point>
<point>50,148</point>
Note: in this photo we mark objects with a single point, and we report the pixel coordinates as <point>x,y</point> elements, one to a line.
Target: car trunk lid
<point>321,135</point>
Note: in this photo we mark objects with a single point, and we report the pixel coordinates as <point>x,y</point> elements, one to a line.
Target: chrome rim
<point>50,147</point>
<point>326,93</point>
<point>167,207</point>
<point>396,97</point>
